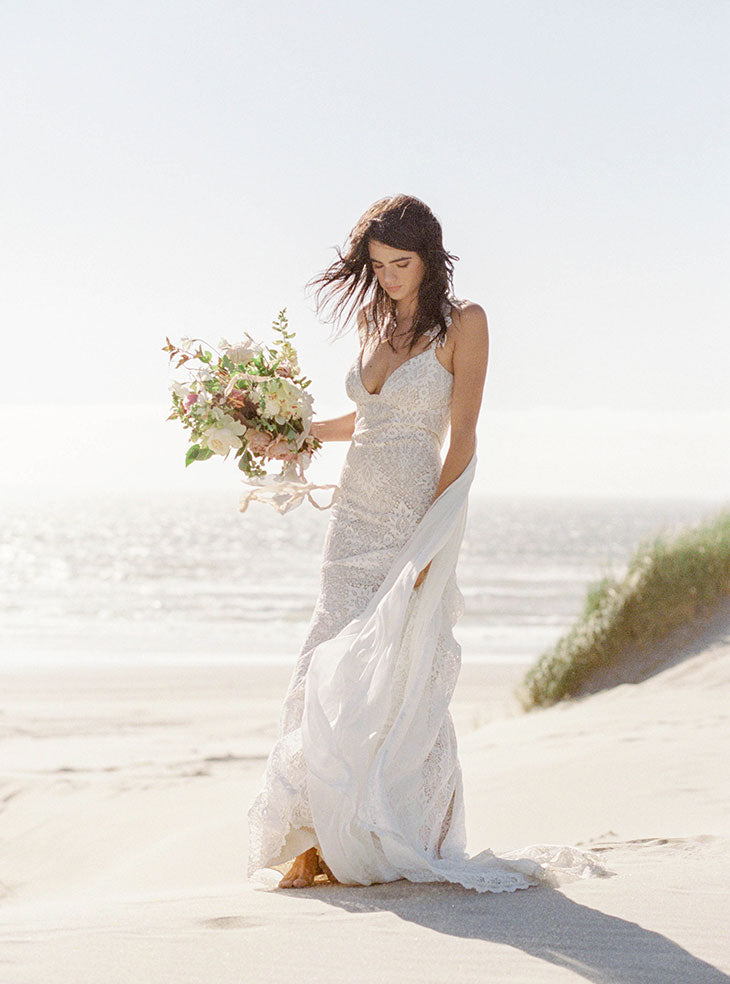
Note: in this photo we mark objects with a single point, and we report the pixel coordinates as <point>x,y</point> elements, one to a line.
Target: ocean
<point>165,578</point>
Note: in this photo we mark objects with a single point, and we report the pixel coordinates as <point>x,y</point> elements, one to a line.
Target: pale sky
<point>184,168</point>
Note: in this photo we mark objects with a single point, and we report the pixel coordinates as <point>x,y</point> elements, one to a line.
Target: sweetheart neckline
<point>431,348</point>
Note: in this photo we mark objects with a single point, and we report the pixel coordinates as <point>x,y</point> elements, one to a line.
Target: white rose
<point>220,440</point>
<point>244,351</point>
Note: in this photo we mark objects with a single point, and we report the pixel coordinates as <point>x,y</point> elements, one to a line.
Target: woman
<point>363,784</point>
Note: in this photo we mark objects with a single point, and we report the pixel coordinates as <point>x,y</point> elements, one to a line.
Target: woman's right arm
<point>334,429</point>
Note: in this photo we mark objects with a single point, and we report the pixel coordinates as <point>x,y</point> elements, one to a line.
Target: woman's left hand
<point>421,576</point>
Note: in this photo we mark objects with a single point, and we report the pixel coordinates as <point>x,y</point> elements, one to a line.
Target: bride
<point>363,784</point>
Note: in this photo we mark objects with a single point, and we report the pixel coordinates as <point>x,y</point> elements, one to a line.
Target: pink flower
<point>258,441</point>
<point>280,449</point>
<point>284,371</point>
<point>189,400</point>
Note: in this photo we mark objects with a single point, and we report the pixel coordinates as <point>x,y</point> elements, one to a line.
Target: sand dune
<point>123,836</point>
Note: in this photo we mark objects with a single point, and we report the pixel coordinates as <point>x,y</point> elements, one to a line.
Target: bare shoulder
<point>469,320</point>
<point>468,334</point>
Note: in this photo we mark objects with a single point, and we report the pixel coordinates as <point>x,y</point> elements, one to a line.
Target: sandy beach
<point>123,835</point>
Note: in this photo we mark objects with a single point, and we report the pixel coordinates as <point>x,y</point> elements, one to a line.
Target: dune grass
<point>671,580</point>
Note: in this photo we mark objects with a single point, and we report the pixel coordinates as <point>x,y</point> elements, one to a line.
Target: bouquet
<point>250,399</point>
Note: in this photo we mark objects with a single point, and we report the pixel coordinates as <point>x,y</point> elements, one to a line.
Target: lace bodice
<point>415,398</point>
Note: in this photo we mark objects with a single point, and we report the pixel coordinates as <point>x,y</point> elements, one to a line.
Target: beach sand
<point>123,834</point>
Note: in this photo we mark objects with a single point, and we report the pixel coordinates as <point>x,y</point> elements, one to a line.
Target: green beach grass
<point>672,580</point>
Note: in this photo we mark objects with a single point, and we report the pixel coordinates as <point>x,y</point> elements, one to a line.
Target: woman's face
<point>399,271</point>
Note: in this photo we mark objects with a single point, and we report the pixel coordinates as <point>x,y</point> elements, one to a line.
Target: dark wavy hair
<point>402,222</point>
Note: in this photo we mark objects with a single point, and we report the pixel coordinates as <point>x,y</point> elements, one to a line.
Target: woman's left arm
<point>471,354</point>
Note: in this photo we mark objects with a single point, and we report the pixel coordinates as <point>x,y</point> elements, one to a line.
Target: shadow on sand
<point>540,921</point>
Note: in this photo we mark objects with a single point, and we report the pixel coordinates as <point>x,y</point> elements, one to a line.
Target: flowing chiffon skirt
<point>375,720</point>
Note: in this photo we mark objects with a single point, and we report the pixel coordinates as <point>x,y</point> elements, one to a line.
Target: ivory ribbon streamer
<point>283,494</point>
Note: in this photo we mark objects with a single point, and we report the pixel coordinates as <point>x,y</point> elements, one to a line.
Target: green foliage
<point>248,464</point>
<point>596,595</point>
<point>281,324</point>
<point>670,580</point>
<point>196,453</point>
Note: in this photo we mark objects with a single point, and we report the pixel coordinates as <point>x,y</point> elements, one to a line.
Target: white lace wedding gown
<point>365,766</point>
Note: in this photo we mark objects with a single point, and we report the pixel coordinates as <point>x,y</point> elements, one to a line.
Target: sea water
<point>160,578</point>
